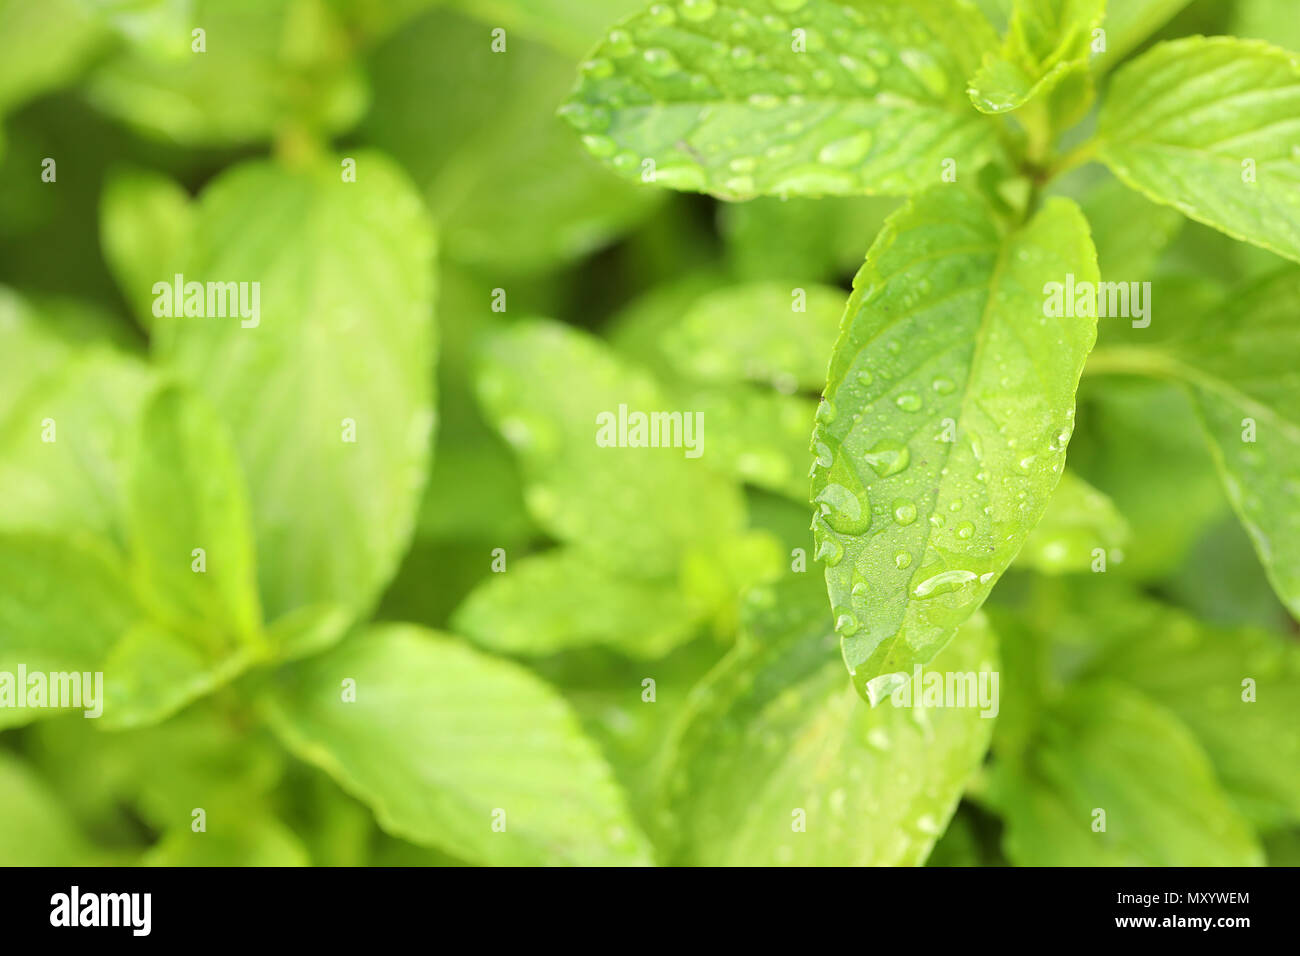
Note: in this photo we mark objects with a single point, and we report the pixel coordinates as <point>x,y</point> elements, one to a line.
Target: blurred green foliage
<point>655,677</point>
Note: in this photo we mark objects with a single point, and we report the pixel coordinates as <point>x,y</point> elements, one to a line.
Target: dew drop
<point>944,582</point>
<point>904,511</point>
<point>742,57</point>
<point>826,411</point>
<point>847,151</point>
<point>863,74</point>
<point>830,551</point>
<point>620,43</point>
<point>660,62</point>
<point>661,15</point>
<point>698,10</point>
<point>924,67</point>
<point>812,180</point>
<point>887,458</point>
<point>965,530</point>
<point>843,510</point>
<point>680,176</point>
<point>902,560</point>
<point>909,402</point>
<point>598,67</point>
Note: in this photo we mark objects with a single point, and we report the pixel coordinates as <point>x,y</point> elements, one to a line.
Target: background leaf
<point>1182,119</point>
<point>334,342</point>
<point>1107,748</point>
<point>776,728</point>
<point>432,744</point>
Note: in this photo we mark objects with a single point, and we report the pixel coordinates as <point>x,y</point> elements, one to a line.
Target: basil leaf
<point>43,46</point>
<point>64,605</point>
<point>64,442</point>
<point>233,838</point>
<point>725,97</point>
<point>432,744</point>
<point>329,395</point>
<point>766,332</point>
<point>35,829</point>
<point>185,493</point>
<point>775,738</point>
<point>266,65</point>
<point>1105,747</point>
<point>1048,41</point>
<point>477,133</point>
<point>1079,521</point>
<point>563,599</point>
<point>948,408</point>
<point>549,388</point>
<point>145,224</point>
<point>1200,673</point>
<point>801,239</point>
<point>1199,124</point>
<point>1129,22</point>
<point>1241,362</point>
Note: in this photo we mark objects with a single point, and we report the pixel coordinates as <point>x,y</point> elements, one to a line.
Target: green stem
<point>1083,153</point>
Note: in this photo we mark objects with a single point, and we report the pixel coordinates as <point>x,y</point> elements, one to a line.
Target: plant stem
<point>1081,154</point>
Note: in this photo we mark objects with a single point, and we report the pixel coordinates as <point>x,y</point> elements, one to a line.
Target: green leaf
<point>1053,30</point>
<point>63,606</point>
<point>1048,40</point>
<point>545,386</point>
<point>630,707</point>
<point>42,46</point>
<point>757,436</point>
<point>766,332</point>
<point>1130,231</point>
<point>268,66</point>
<point>477,133</point>
<point>1181,122</point>
<point>145,223</point>
<point>153,672</point>
<point>1200,673</point>
<point>1139,443</point>
<point>234,838</point>
<point>185,493</point>
<point>566,598</point>
<point>1078,521</point>
<point>1129,22</point>
<point>31,349</point>
<point>203,757</point>
<point>64,442</point>
<point>337,352</point>
<point>801,239</point>
<point>474,489</point>
<point>948,408</point>
<point>718,97</point>
<point>35,829</point>
<point>1271,20</point>
<point>432,743</point>
<point>570,26</point>
<point>1241,362</point>
<point>776,732</point>
<point>1106,747</point>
